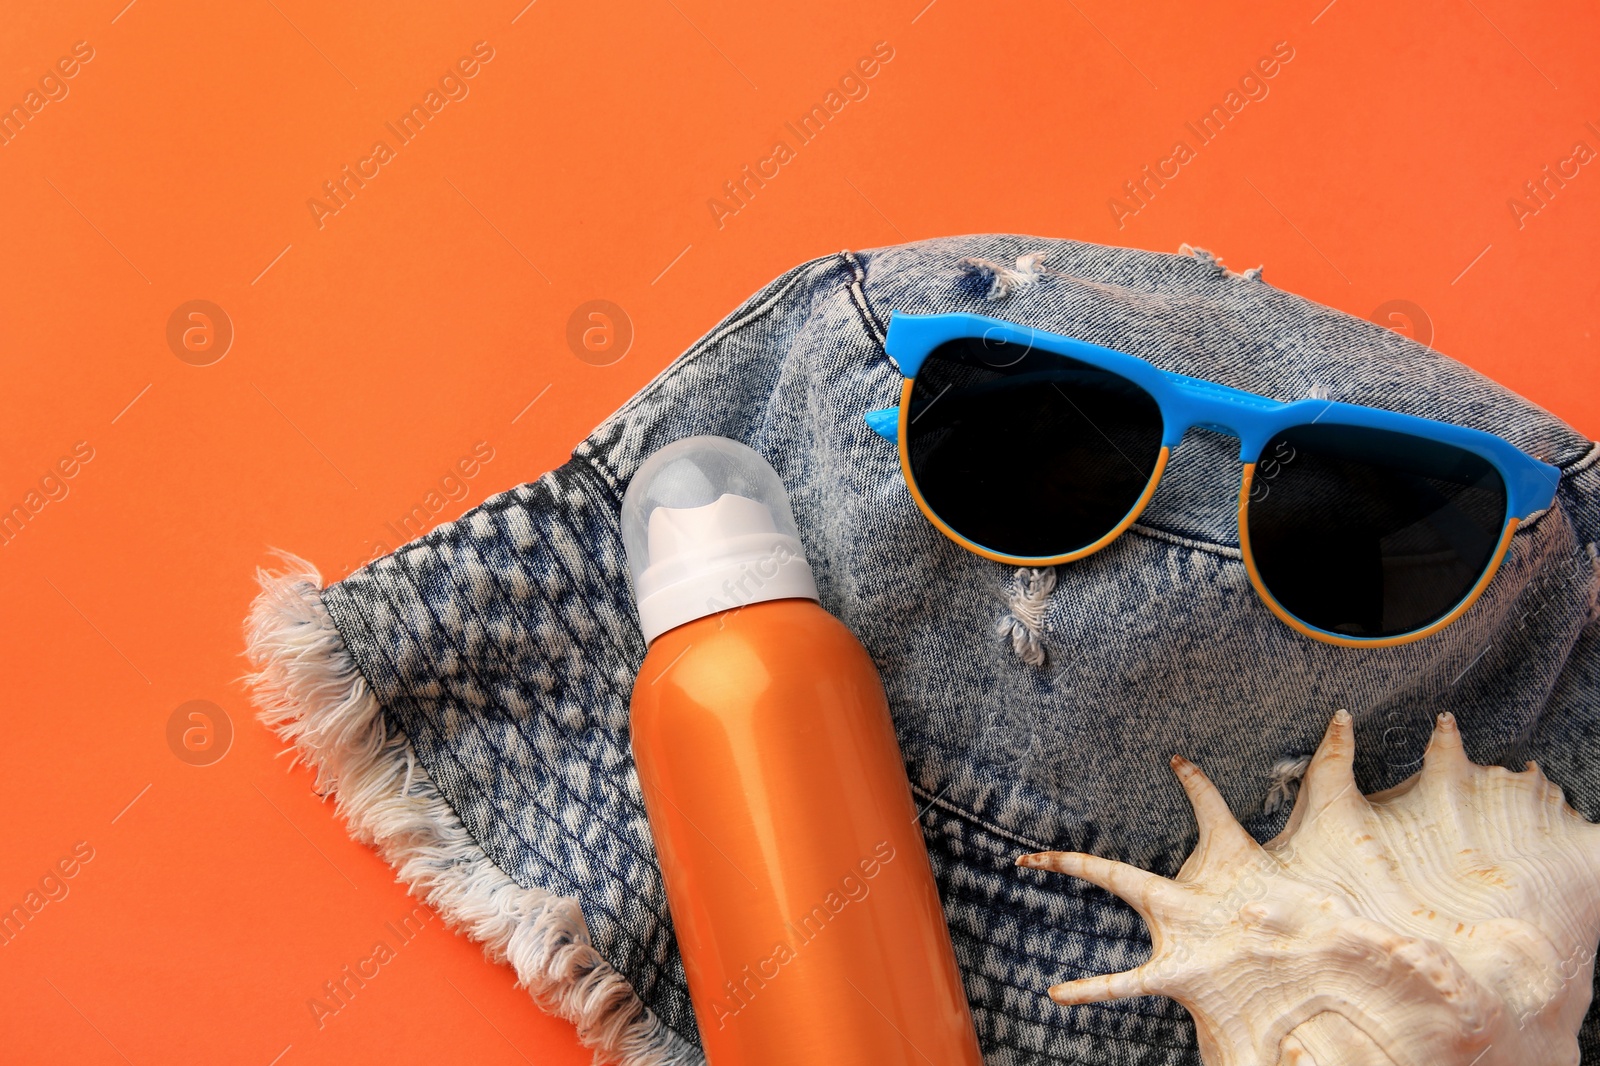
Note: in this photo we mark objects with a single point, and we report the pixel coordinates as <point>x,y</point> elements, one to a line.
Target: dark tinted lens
<point>1370,533</point>
<point>1026,452</point>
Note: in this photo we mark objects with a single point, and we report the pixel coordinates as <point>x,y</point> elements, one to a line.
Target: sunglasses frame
<point>1187,403</point>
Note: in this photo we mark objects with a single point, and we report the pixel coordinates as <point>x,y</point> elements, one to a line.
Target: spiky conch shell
<point>1449,921</point>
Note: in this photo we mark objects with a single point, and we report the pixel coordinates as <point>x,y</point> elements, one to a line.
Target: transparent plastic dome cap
<point>707,527</point>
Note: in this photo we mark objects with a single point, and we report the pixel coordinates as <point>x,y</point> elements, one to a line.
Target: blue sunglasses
<point>1357,526</point>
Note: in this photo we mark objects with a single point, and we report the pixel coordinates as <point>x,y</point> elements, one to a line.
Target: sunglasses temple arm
<point>885,422</point>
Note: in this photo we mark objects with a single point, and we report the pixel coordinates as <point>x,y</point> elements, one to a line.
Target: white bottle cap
<point>707,528</point>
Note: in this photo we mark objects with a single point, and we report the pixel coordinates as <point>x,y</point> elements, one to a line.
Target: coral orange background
<point>375,347</point>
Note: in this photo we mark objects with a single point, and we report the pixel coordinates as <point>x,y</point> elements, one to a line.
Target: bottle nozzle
<point>707,527</point>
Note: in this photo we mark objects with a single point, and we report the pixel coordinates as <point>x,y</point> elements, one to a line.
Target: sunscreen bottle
<point>795,868</point>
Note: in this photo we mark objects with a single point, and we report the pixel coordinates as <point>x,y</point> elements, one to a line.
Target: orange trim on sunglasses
<point>1358,642</point>
<point>1000,557</point>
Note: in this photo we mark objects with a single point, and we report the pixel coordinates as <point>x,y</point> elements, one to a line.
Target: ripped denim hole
<point>1004,280</point>
<point>1023,622</point>
<point>1283,782</point>
<point>1209,258</point>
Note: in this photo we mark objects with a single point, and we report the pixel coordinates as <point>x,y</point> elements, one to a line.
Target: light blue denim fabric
<point>1036,710</point>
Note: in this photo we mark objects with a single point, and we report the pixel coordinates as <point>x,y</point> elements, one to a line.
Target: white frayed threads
<point>1004,280</point>
<point>1209,258</point>
<point>310,692</point>
<point>1283,782</point>
<point>1023,622</point>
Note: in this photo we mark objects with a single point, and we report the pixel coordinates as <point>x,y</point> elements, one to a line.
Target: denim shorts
<point>467,696</point>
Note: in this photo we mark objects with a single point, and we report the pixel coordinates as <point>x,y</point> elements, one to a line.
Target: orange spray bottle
<point>795,868</point>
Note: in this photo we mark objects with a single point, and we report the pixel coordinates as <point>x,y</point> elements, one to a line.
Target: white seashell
<point>1449,921</point>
